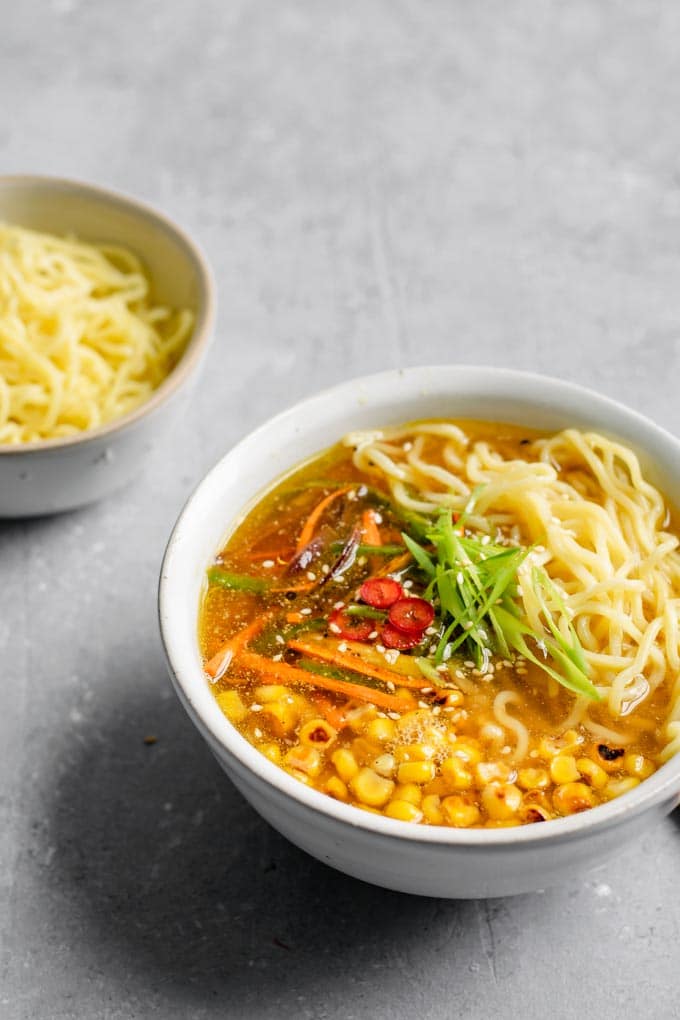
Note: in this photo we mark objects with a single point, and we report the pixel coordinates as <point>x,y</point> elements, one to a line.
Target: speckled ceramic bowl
<point>41,478</point>
<point>414,858</point>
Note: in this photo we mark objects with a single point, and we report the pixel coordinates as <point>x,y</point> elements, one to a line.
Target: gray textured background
<point>376,184</point>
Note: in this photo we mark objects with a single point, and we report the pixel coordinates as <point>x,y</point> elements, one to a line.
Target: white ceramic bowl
<point>46,477</point>
<point>412,858</point>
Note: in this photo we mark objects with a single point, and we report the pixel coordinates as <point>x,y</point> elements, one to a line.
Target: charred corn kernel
<point>615,787</point>
<point>501,800</point>
<point>317,733</point>
<point>271,692</point>
<point>232,706</point>
<point>492,772</point>
<point>415,752</point>
<point>272,751</point>
<point>563,769</point>
<point>456,773</point>
<point>531,813</point>
<point>381,730</point>
<point>592,773</point>
<point>403,811</point>
<point>608,758</point>
<point>358,718</point>
<point>345,764</point>
<point>410,792</point>
<point>281,717</point>
<point>460,812</point>
<point>533,779</point>
<point>370,788</point>
<point>573,797</point>
<point>306,759</point>
<point>384,765</point>
<point>467,749</point>
<point>637,765</point>
<point>432,810</point>
<point>416,771</point>
<point>337,789</point>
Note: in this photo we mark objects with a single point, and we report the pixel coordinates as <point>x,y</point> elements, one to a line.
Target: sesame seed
<point>407,446</point>
<point>258,732</point>
<point>442,668</point>
<point>378,518</point>
<point>391,655</point>
<point>469,664</point>
<point>393,715</point>
<point>351,496</point>
<point>255,707</point>
<point>372,635</point>
<point>339,605</point>
<point>460,674</point>
<point>436,710</point>
<point>390,686</point>
<point>431,630</point>
<point>306,612</point>
<point>311,576</point>
<point>325,569</point>
<point>533,754</point>
<point>362,561</point>
<point>426,690</point>
<point>277,658</point>
<point>432,649</point>
<point>342,647</point>
<point>380,648</point>
<point>268,564</point>
<point>334,627</point>
<point>279,640</point>
<point>422,704</point>
<point>486,539</point>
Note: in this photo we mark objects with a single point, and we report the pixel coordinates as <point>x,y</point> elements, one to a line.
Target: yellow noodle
<point>80,341</point>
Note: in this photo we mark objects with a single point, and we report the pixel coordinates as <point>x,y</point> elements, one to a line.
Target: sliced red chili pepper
<point>354,628</point>
<point>412,616</point>
<point>392,637</point>
<point>380,592</point>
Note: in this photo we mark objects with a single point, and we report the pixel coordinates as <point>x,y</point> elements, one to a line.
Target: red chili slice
<point>391,637</point>
<point>380,592</point>
<point>354,628</point>
<point>412,616</point>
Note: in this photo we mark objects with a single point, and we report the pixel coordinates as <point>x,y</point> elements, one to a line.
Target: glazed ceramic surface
<point>427,860</point>
<point>40,478</point>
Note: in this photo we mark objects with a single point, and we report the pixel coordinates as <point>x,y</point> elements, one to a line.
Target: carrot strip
<point>221,660</point>
<point>294,617</point>
<point>346,660</point>
<point>396,564</point>
<point>334,714</point>
<point>307,533</point>
<point>370,529</point>
<point>284,673</point>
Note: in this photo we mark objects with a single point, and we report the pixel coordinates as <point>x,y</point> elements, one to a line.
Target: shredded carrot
<point>294,617</point>
<point>370,529</point>
<point>333,714</point>
<point>307,533</point>
<point>321,650</point>
<point>284,673</point>
<point>396,564</point>
<point>221,660</point>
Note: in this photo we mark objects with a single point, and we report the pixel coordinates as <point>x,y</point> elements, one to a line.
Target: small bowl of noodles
<point>429,623</point>
<point>106,308</point>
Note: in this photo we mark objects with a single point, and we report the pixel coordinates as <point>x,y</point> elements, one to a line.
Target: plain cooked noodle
<point>598,528</point>
<point>80,341</point>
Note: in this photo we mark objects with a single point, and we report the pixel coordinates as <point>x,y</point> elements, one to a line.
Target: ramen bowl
<point>421,859</point>
<point>59,474</point>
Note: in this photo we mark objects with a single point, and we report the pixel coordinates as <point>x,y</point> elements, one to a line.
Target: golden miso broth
<point>494,667</point>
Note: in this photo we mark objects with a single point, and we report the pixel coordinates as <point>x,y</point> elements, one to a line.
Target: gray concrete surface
<point>376,184</point>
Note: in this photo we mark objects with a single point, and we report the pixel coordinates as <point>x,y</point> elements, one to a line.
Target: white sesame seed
<point>306,612</point>
<point>486,539</point>
<point>372,635</point>
<point>334,627</point>
<point>351,495</point>
<point>431,630</point>
<point>426,690</point>
<point>277,658</point>
<point>436,710</point>
<point>432,649</point>
<point>390,686</point>
<point>377,517</point>
<point>361,561</point>
<point>460,674</point>
<point>469,664</point>
<point>408,585</point>
<point>311,576</point>
<point>268,564</point>
<point>258,732</point>
<point>442,668</point>
<point>533,754</point>
<point>407,446</point>
<point>342,647</point>
<point>325,569</point>
<point>506,750</point>
<point>339,605</point>
<point>255,707</point>
<point>422,704</point>
<point>391,655</point>
<point>393,715</point>
<point>279,640</point>
<point>380,648</point>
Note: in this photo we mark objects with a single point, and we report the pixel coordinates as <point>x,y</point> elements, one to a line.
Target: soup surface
<point>461,624</point>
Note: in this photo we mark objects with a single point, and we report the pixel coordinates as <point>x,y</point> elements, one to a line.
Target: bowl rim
<point>201,332</point>
<point>223,737</point>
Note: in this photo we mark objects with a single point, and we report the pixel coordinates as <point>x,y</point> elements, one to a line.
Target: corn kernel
<point>573,797</point>
<point>550,747</point>
<point>365,750</point>
<point>306,759</point>
<point>611,761</point>
<point>416,771</point>
<point>563,769</point>
<point>384,765</point>
<point>410,792</point>
<point>531,813</point>
<point>317,733</point>
<point>493,772</point>
<point>381,730</point>
<point>592,773</point>
<point>615,787</point>
<point>432,810</point>
<point>467,749</point>
<point>370,788</point>
<point>281,717</point>
<point>456,773</point>
<point>415,752</point>
<point>493,734</point>
<point>533,779</point>
<point>345,763</point>
<point>501,800</point>
<point>337,789</point>
<point>460,812</point>
<point>232,706</point>
<point>637,765</point>
<point>454,699</point>
<point>358,718</point>
<point>265,693</point>
<point>271,751</point>
<point>403,811</point>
